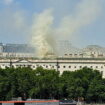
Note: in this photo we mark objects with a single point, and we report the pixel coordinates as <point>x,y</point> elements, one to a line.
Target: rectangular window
<point>96,66</point>
<point>33,66</point>
<point>91,67</point>
<point>64,66</point>
<point>69,66</point>
<point>101,67</point>
<point>58,66</point>
<point>80,66</point>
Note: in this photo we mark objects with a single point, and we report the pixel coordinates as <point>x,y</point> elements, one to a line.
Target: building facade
<point>22,55</point>
<point>60,64</point>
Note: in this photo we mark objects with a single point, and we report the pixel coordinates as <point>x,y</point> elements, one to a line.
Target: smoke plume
<point>43,32</point>
<point>84,14</point>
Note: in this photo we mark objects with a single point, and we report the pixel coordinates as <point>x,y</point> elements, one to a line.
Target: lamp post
<point>57,64</point>
<point>10,63</point>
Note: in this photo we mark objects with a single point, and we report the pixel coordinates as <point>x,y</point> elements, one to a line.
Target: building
<point>1,48</point>
<point>22,55</point>
<point>65,47</point>
<point>16,51</point>
<point>17,48</point>
<point>60,64</point>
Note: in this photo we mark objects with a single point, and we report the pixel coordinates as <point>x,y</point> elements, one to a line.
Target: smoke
<point>43,33</point>
<point>85,13</point>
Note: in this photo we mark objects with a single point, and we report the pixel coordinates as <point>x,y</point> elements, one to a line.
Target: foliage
<point>50,84</point>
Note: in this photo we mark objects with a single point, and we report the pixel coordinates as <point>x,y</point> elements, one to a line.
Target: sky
<point>82,22</point>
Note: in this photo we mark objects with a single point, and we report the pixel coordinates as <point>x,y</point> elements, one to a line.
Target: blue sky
<point>17,18</point>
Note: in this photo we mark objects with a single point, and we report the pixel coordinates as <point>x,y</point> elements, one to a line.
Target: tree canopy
<point>50,84</point>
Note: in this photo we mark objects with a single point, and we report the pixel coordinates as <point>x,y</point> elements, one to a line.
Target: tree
<point>48,84</point>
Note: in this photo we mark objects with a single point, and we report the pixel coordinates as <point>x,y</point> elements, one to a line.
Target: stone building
<point>60,64</point>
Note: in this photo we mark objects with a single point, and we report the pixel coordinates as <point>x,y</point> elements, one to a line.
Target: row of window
<point>52,66</point>
<point>82,67</point>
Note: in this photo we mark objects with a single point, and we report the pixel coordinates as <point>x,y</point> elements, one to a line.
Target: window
<point>74,66</point>
<point>96,67</point>
<point>6,66</point>
<point>58,66</point>
<point>101,67</point>
<point>80,67</point>
<point>33,66</point>
<point>46,66</point>
<point>64,66</point>
<point>69,66</point>
<point>91,66</point>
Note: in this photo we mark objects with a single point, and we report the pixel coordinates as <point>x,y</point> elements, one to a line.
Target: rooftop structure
<point>17,48</point>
